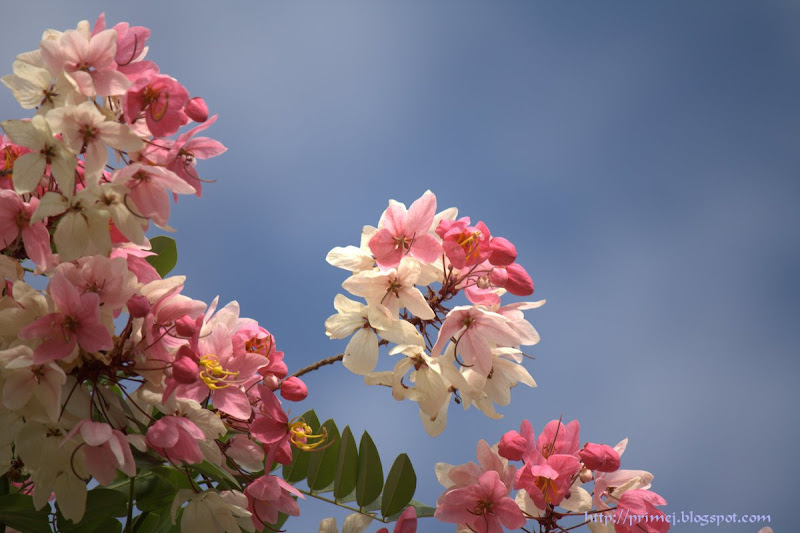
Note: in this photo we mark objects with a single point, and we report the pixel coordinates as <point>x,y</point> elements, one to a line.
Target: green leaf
<point>17,511</point>
<point>101,505</point>
<point>346,466</point>
<point>224,478</point>
<point>155,522</point>
<point>370,472</point>
<point>166,254</point>
<point>400,486</point>
<point>158,491</point>
<point>423,511</point>
<point>298,468</point>
<point>322,464</point>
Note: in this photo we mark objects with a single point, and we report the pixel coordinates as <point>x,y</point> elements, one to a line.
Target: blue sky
<point>643,157</point>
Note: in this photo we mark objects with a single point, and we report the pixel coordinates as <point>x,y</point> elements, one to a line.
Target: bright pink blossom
<point>148,189</point>
<point>548,480</point>
<point>463,244</point>
<point>406,522</point>
<point>483,506</point>
<point>162,100</point>
<point>600,457</point>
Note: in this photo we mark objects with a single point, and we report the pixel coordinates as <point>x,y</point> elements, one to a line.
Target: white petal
<point>361,354</point>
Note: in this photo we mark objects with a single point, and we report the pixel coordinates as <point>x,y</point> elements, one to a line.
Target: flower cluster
<point>111,361</point>
<point>407,270</point>
<point>554,472</point>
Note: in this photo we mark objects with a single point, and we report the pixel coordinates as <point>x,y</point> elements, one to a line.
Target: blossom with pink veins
<point>269,495</point>
<point>82,230</point>
<point>105,452</point>
<point>87,60</point>
<point>495,388</point>
<point>15,221</point>
<point>176,438</point>
<point>109,278</point>
<point>636,513</point>
<point>148,189</point>
<point>245,452</point>
<point>547,480</point>
<point>464,245</point>
<point>76,323</point>
<point>393,288</point>
<point>404,232</point>
<point>483,506</point>
<point>162,100</point>
<point>187,149</point>
<point>85,128</point>
<point>489,460</point>
<point>131,48</point>
<point>23,380</point>
<point>271,427</point>
<point>476,332</point>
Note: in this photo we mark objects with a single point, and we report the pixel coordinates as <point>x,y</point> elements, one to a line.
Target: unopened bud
<point>138,306</point>
<point>501,252</point>
<point>197,109</point>
<point>512,446</point>
<point>272,382</point>
<point>600,457</point>
<point>519,283</point>
<point>586,475</point>
<point>293,389</point>
<point>185,326</point>
<point>498,277</point>
<point>185,370</point>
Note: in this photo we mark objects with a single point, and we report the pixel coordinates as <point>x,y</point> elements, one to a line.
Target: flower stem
<point>343,506</point>
<point>318,364</point>
<point>129,521</point>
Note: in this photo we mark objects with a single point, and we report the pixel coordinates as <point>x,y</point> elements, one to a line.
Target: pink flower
<point>406,522</point>
<point>271,427</point>
<point>106,450</point>
<point>76,323</point>
<point>269,495</point>
<point>175,438</point>
<point>404,232</point>
<point>548,480</point>
<point>15,217</point>
<point>463,244</point>
<point>512,446</point>
<point>88,61</point>
<point>483,506</point>
<point>294,390</point>
<point>148,189</point>
<point>636,513</point>
<point>162,99</point>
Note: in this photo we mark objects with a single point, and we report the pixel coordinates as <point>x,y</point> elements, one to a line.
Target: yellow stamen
<point>213,375</point>
<point>302,432</point>
<point>468,241</point>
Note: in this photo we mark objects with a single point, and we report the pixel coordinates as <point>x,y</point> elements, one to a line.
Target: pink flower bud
<point>519,282</point>
<point>186,351</point>
<point>185,370</point>
<point>501,252</point>
<point>600,457</point>
<point>498,277</point>
<point>185,326</point>
<point>512,446</point>
<point>197,109</point>
<point>293,389</point>
<point>272,382</point>
<point>138,306</point>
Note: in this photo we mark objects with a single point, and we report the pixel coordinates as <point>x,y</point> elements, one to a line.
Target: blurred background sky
<point>643,156</point>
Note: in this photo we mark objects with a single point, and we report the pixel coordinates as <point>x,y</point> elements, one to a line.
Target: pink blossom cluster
<point>551,484</point>
<point>406,269</point>
<point>109,360</point>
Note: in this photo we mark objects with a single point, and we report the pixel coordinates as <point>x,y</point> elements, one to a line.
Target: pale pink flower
<point>148,189</point>
<point>404,232</point>
<point>636,513</point>
<point>106,450</point>
<point>269,495</point>
<point>24,380</point>
<point>77,322</point>
<point>86,60</point>
<point>176,438</point>
<point>476,331</point>
<point>483,506</point>
<point>15,221</point>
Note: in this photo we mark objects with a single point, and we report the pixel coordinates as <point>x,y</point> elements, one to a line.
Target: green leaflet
<point>346,466</point>
<point>166,254</point>
<point>400,486</point>
<point>370,472</point>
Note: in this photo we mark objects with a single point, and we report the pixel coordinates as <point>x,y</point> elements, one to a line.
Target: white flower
<point>393,289</point>
<point>352,258</point>
<point>23,381</point>
<point>367,322</point>
<point>45,150</point>
<point>213,512</point>
<point>83,230</point>
<point>354,523</point>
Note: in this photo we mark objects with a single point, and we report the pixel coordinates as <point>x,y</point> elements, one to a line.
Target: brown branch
<point>318,364</point>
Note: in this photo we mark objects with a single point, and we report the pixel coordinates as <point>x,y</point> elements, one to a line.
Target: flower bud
<point>512,446</point>
<point>185,326</point>
<point>293,389</point>
<point>586,475</point>
<point>519,283</point>
<point>498,277</point>
<point>185,370</point>
<point>138,306</point>
<point>197,109</point>
<point>501,252</point>
<point>600,457</point>
<point>272,382</point>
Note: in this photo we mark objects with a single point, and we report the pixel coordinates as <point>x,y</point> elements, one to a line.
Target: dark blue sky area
<point>643,157</point>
